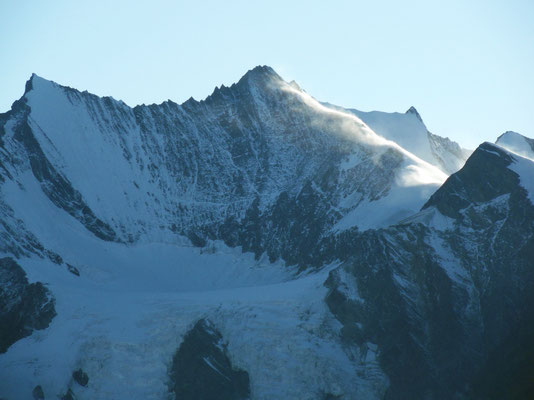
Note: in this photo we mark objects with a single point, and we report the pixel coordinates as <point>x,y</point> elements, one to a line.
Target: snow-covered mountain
<point>409,131</point>
<point>153,171</point>
<point>517,143</point>
<point>280,247</point>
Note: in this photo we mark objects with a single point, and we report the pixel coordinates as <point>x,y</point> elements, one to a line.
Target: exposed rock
<point>24,307</point>
<point>201,368</point>
<point>199,166</point>
<point>73,270</point>
<point>413,110</point>
<point>447,307</point>
<point>69,395</point>
<point>80,377</point>
<point>38,393</point>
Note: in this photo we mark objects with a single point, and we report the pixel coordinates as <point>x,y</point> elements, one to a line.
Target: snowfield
<point>122,320</point>
<point>124,317</point>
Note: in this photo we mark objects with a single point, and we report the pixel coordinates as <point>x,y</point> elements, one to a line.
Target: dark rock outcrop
<point>69,395</point>
<point>449,308</point>
<point>24,307</point>
<point>201,369</point>
<point>80,377</point>
<point>38,393</point>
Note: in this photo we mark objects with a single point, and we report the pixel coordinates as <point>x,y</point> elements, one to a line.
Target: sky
<point>467,66</point>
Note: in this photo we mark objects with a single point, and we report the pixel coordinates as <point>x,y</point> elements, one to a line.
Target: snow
<point>517,143</point>
<point>523,159</point>
<point>98,145</point>
<point>410,133</point>
<point>404,129</point>
<point>124,330</point>
<point>76,137</point>
<point>487,150</point>
<point>524,167</point>
<point>450,264</point>
<point>432,218</point>
<point>415,182</point>
<point>123,319</point>
<point>125,316</point>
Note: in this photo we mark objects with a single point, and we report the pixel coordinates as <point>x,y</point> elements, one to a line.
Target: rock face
<point>201,369</point>
<point>440,300</point>
<point>24,307</point>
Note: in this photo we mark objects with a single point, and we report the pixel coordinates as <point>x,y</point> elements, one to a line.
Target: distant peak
<point>35,82</point>
<point>29,83</point>
<point>261,73</point>
<point>262,70</point>
<point>295,85</point>
<point>508,134</point>
<point>413,110</point>
<point>517,143</point>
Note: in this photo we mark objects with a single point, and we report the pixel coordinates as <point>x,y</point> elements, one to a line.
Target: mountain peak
<point>413,110</point>
<point>260,70</point>
<point>260,74</point>
<point>484,177</point>
<point>509,134</point>
<point>36,82</point>
<point>29,83</point>
<point>517,143</point>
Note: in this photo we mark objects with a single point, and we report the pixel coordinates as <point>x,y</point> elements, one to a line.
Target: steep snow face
<point>151,170</point>
<point>409,131</point>
<point>517,143</point>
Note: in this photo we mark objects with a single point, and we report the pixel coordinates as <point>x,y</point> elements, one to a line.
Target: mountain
<point>517,143</point>
<point>257,244</point>
<point>409,131</point>
<point>441,291</point>
<point>197,169</point>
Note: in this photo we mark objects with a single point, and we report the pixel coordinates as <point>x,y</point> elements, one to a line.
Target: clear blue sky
<point>467,66</point>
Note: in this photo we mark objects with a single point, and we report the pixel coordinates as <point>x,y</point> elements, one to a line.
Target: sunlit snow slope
<point>410,132</point>
<point>517,143</point>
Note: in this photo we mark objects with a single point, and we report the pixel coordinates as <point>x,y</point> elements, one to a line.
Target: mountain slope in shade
<point>442,293</point>
<point>517,143</point>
